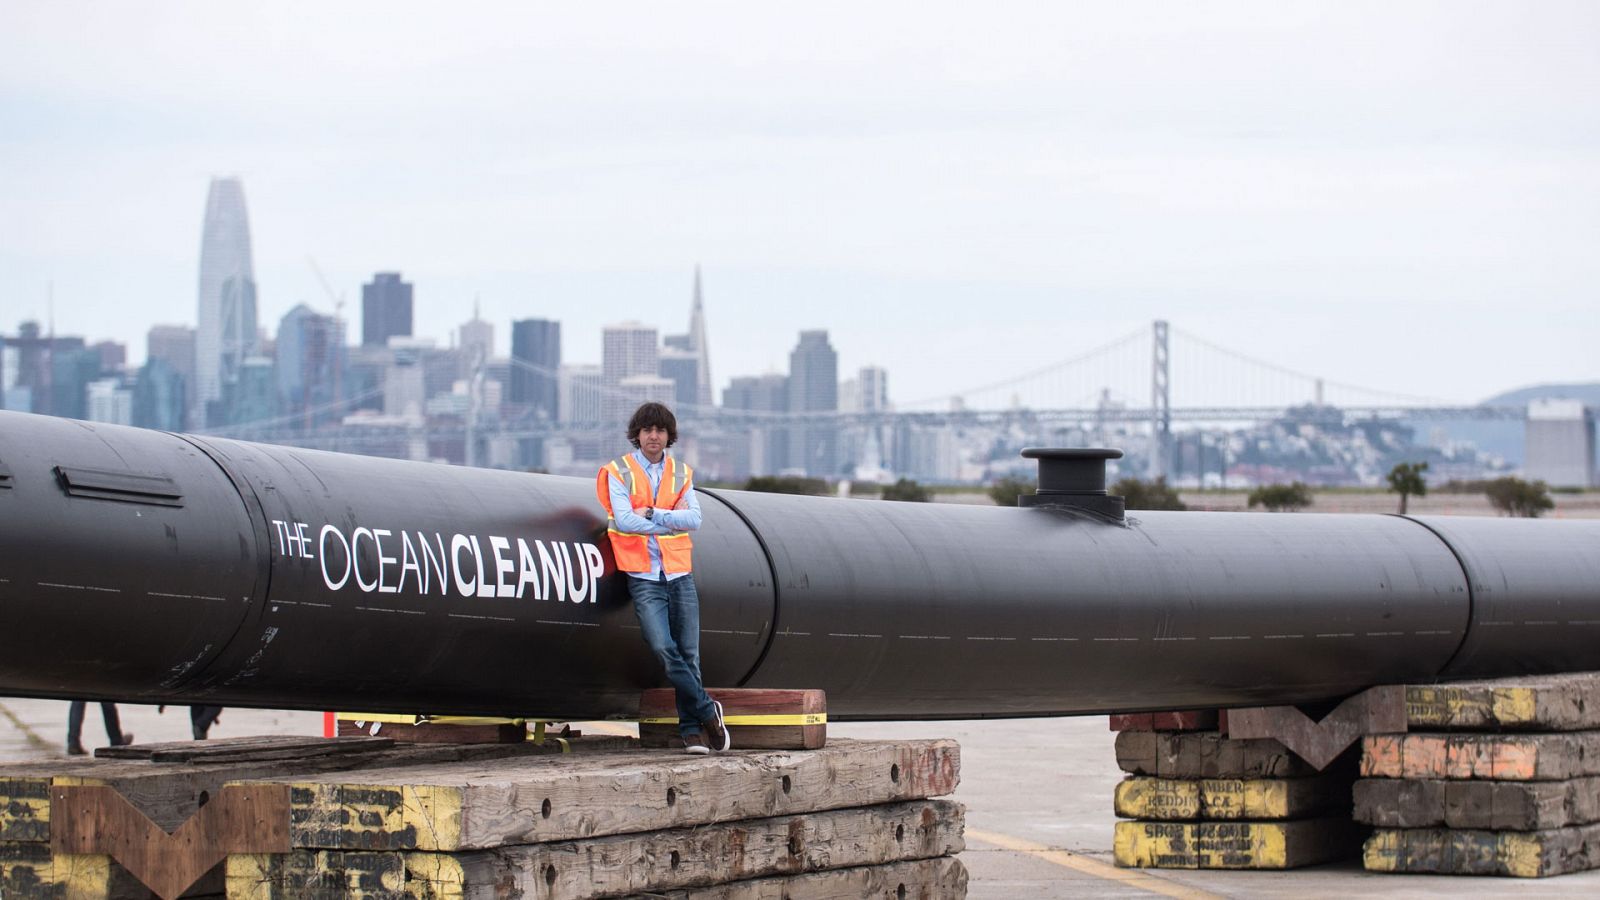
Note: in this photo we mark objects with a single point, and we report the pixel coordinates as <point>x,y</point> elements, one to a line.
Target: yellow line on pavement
<point>1132,878</point>
<point>33,737</point>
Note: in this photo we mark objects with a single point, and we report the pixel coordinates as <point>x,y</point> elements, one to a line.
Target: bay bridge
<point>1143,383</point>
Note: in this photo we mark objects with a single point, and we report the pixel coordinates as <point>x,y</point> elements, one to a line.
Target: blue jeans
<point>669,614</point>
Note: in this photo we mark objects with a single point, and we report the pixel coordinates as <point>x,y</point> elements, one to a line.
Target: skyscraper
<point>687,359</point>
<point>385,309</point>
<point>627,350</point>
<point>174,345</point>
<point>226,331</point>
<point>814,388</point>
<point>767,448</point>
<point>874,381</point>
<point>536,365</point>
<point>310,366</point>
<point>476,341</point>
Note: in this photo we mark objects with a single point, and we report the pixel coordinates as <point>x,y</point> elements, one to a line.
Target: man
<point>650,510</point>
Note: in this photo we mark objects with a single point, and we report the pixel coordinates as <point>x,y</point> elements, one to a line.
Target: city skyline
<point>1403,198</point>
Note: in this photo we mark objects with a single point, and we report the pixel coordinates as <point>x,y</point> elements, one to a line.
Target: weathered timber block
<point>1488,805</point>
<point>1205,754</point>
<point>1522,854</point>
<point>1236,845</point>
<point>282,746</point>
<point>1181,720</point>
<point>1320,742</point>
<point>652,861</point>
<point>773,719</point>
<point>1143,797</point>
<point>169,794</point>
<point>436,732</point>
<point>941,878</point>
<point>1541,702</point>
<point>30,870</point>
<point>1503,757</point>
<point>556,798</point>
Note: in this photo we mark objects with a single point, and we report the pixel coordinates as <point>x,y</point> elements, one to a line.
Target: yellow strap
<point>775,719</point>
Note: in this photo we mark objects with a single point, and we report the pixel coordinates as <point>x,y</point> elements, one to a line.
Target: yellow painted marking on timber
<point>1517,854</point>
<point>1446,705</point>
<point>79,875</point>
<point>24,806</point>
<point>82,874</point>
<point>1381,853</point>
<point>245,876</point>
<point>1201,845</point>
<point>1167,799</point>
<point>1093,867</point>
<point>1513,706</point>
<point>441,875</point>
<point>774,719</point>
<point>435,811</point>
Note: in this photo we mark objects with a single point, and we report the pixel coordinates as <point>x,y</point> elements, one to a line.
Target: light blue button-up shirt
<point>662,521</point>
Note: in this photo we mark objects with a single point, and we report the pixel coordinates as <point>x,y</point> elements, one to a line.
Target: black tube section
<point>153,567</point>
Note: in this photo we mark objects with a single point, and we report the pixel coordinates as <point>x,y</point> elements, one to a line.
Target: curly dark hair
<point>653,414</point>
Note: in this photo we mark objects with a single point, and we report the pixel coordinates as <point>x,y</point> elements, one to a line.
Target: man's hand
<point>643,512</point>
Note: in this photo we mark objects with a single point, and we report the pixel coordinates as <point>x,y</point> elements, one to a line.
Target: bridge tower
<point>1160,403</point>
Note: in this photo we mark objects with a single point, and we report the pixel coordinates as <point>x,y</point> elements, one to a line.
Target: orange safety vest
<point>632,551</point>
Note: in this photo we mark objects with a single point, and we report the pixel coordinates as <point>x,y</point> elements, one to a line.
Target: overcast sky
<point>1397,195</point>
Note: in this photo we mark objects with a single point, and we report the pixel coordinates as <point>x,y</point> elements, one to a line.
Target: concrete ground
<point>1038,796</point>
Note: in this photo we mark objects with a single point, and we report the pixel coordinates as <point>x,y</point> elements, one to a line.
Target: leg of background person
<point>108,711</point>
<point>201,718</point>
<point>75,727</point>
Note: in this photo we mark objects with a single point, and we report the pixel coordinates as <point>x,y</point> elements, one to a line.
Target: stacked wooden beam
<point>1495,778</point>
<point>1199,800</point>
<point>169,783</point>
<point>850,819</point>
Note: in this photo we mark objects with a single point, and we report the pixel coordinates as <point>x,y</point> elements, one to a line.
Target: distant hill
<point>1589,393</point>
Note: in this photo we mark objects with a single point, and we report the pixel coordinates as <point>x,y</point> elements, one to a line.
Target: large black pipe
<point>153,567</point>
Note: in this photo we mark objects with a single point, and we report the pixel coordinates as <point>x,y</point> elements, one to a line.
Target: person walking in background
<point>114,732</point>
<point>201,718</point>
<point>650,509</point>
